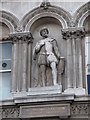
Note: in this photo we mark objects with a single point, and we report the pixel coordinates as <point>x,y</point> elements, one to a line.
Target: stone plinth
<point>75,91</point>
<point>45,90</point>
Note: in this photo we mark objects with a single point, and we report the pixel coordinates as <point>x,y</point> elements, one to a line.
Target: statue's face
<point>44,33</point>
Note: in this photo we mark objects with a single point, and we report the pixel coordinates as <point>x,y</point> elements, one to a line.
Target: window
<point>5,69</point>
<point>87,54</point>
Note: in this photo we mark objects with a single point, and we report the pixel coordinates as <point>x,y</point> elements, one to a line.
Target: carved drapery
<point>19,61</point>
<point>74,37</point>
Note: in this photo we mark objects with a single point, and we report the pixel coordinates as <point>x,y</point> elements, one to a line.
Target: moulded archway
<point>10,20</point>
<point>81,14</point>
<point>52,11</point>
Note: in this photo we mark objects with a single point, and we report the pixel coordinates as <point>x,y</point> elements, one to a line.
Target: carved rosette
<point>71,33</point>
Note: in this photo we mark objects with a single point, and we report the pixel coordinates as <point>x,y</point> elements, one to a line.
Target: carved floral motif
<point>23,37</point>
<point>80,109</point>
<point>10,112</point>
<point>73,33</point>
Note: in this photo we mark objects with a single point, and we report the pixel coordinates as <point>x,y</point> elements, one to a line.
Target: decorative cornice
<point>73,32</point>
<point>23,37</point>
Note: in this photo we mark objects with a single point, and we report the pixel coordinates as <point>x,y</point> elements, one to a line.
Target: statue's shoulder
<point>52,39</point>
<point>40,41</point>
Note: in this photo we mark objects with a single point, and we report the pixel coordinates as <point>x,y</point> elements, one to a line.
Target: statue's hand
<point>42,43</point>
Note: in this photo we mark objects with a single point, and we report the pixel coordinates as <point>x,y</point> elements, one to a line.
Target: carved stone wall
<point>12,112</point>
<point>77,110</point>
<point>68,30</point>
<point>80,109</point>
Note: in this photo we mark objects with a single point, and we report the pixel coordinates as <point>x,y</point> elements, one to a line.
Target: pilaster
<point>20,62</point>
<point>74,37</point>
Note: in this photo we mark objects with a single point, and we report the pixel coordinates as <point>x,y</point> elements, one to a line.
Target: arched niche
<point>86,25</point>
<point>4,31</point>
<point>54,26</point>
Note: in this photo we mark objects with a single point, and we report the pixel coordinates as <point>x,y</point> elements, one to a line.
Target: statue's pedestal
<point>76,91</point>
<point>45,90</point>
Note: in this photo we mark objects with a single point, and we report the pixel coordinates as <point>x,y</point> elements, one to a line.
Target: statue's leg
<point>54,72</point>
<point>43,74</point>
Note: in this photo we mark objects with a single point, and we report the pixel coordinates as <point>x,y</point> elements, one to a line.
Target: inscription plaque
<point>57,110</point>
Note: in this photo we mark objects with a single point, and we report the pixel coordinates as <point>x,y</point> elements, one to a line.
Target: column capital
<point>73,32</point>
<point>5,39</point>
<point>23,37</point>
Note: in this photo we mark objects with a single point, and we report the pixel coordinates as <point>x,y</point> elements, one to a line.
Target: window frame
<point>86,61</point>
<point>8,70</point>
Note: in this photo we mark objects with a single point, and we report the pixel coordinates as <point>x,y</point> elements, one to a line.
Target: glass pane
<point>89,68</point>
<point>6,50</point>
<point>4,85</point>
<point>0,51</point>
<point>88,82</point>
<point>5,55</point>
<point>89,53</point>
<point>5,64</point>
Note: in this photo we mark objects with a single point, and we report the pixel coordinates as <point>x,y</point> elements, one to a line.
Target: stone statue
<point>47,55</point>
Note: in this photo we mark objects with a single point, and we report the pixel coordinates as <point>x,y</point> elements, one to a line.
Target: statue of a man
<point>48,55</point>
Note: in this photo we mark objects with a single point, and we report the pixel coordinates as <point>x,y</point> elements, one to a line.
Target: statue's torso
<point>46,55</point>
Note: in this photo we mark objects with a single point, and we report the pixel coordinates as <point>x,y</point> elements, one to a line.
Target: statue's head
<point>44,32</point>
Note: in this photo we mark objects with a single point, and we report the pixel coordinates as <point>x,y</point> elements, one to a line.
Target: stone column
<point>75,46</point>
<point>67,36</point>
<point>25,41</point>
<point>79,37</point>
<point>14,64</point>
<point>74,60</point>
<point>29,61</point>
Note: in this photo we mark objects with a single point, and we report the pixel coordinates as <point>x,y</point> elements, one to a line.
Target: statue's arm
<point>37,49</point>
<point>56,50</point>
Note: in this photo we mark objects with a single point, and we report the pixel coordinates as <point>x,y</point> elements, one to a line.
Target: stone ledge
<point>44,98</point>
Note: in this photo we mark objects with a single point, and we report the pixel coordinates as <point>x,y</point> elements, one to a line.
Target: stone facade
<point>66,101</point>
